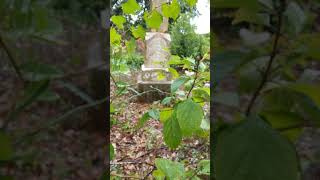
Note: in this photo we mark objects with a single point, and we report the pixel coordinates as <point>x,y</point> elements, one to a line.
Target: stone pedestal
<point>154,67</point>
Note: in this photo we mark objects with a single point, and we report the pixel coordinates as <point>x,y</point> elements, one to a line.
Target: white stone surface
<point>157,50</point>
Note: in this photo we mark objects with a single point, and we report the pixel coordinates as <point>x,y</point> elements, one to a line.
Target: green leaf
<point>131,46</point>
<point>153,19</point>
<point>172,170</point>
<point>189,115</point>
<point>175,60</point>
<point>227,98</point>
<point>6,150</point>
<point>165,114</point>
<point>112,109</point>
<point>171,132</point>
<point>177,83</point>
<point>158,175</point>
<point>172,10</point>
<point>111,152</point>
<point>310,90</point>
<point>252,150</point>
<point>166,100</point>
<point>191,3</point>
<point>115,38</point>
<point>138,32</point>
<point>130,7</point>
<point>296,17</point>
<point>154,113</point>
<point>118,21</point>
<point>281,120</point>
<point>204,166</point>
<point>202,94</point>
<point>143,120</point>
<point>174,73</point>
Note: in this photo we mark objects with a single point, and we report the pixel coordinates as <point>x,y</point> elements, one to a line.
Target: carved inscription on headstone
<point>157,50</point>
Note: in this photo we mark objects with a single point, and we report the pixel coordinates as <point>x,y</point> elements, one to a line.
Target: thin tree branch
<point>196,75</point>
<point>269,63</point>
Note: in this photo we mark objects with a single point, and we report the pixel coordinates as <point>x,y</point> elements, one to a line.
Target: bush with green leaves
<point>185,41</point>
<point>282,100</point>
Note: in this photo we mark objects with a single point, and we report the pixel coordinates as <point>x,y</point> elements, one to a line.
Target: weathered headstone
<point>155,78</point>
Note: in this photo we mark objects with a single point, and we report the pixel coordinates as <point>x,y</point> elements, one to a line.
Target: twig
<point>11,58</point>
<point>269,64</point>
<point>196,75</point>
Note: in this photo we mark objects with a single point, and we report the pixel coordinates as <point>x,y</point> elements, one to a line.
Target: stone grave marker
<point>154,76</point>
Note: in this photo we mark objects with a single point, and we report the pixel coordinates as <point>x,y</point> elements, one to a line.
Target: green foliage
<point>264,66</point>
<point>253,150</point>
<point>172,170</point>
<point>185,42</point>
<point>138,32</point>
<point>172,132</point>
<point>130,7</point>
<point>189,115</point>
<point>118,21</point>
<point>172,10</point>
<point>153,19</point>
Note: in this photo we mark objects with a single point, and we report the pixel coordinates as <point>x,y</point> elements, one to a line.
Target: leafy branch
<point>271,60</point>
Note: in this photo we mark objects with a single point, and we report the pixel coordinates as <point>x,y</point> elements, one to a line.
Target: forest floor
<point>136,150</point>
<point>60,151</point>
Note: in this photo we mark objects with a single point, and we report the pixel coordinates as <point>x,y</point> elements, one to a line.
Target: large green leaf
<point>172,170</point>
<point>115,38</point>
<point>138,32</point>
<point>172,10</point>
<point>145,117</point>
<point>204,166</point>
<point>296,17</point>
<point>118,21</point>
<point>189,115</point>
<point>177,83</point>
<point>165,114</point>
<point>172,132</point>
<point>6,150</point>
<point>153,19</point>
<point>310,90</point>
<point>130,7</point>
<point>289,123</point>
<point>252,150</point>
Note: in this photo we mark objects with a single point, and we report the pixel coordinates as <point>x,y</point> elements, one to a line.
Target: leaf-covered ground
<point>62,151</point>
<point>136,149</point>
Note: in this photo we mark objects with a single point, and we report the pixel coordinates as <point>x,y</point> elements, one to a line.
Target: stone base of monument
<point>154,84</point>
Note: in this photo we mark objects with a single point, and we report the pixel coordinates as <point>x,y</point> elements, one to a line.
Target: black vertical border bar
<point>105,23</point>
<point>212,84</point>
